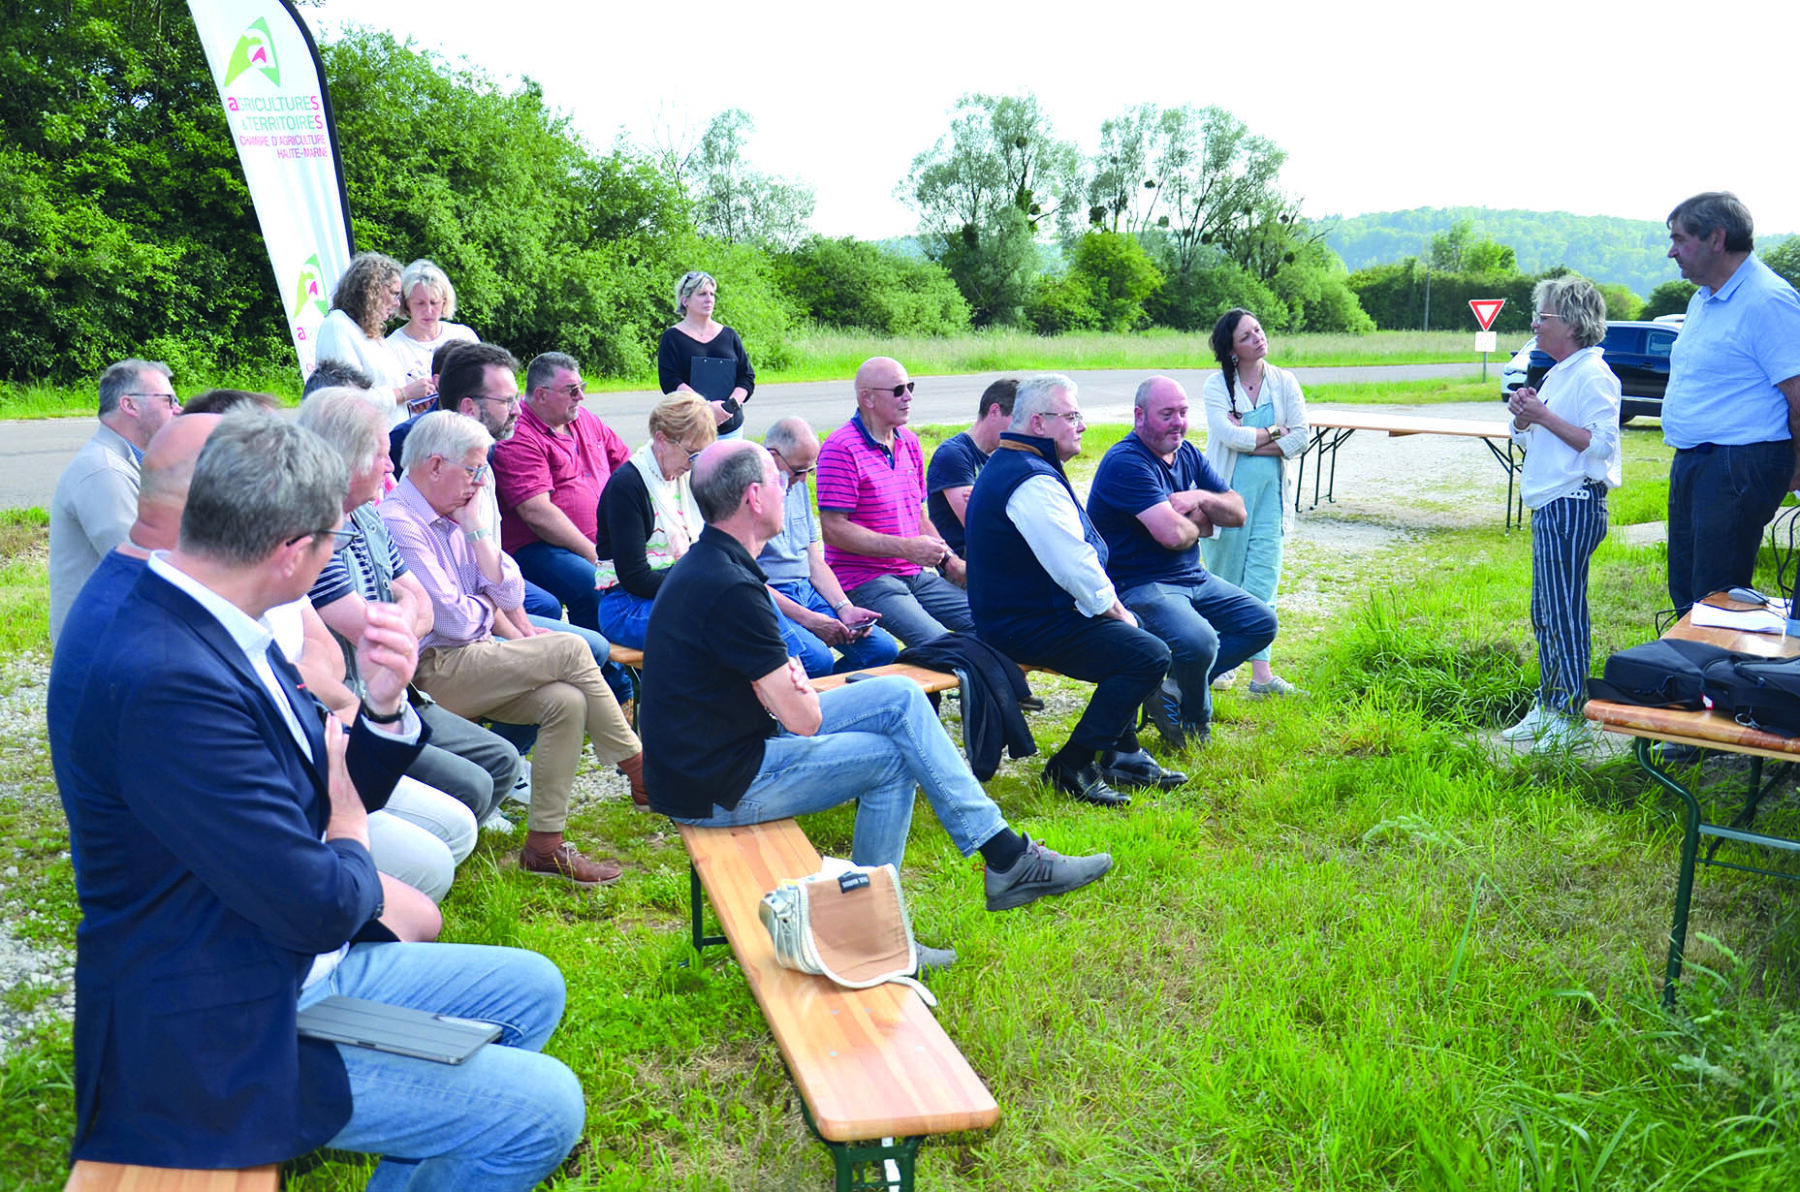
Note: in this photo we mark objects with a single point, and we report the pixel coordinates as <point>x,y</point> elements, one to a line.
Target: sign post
<point>1486,340</point>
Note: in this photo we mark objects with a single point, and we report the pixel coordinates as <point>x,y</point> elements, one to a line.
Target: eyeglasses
<point>174,402</point>
<point>511,403</point>
<point>807,471</point>
<point>340,539</point>
<point>1541,315</point>
<point>477,474</point>
<point>1073,417</point>
<point>572,390</point>
<point>897,390</point>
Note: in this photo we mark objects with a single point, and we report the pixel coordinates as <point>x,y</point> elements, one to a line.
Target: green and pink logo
<point>255,49</point>
<point>310,288</point>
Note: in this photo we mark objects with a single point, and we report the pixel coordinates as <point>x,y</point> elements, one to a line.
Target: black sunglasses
<point>897,390</point>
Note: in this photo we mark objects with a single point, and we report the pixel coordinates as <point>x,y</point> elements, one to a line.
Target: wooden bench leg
<point>696,901</point>
<point>885,1166</point>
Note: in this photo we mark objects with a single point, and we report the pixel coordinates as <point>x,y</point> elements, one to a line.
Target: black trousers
<point>1124,664</point>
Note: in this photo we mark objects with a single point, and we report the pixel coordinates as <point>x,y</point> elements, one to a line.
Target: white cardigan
<point>1226,441</point>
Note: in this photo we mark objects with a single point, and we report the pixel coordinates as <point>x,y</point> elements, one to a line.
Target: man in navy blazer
<point>219,833</point>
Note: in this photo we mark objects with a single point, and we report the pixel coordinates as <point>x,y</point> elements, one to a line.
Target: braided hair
<point>1223,333</point>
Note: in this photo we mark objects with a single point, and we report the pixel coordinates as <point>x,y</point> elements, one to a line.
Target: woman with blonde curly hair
<point>648,518</point>
<point>366,297</point>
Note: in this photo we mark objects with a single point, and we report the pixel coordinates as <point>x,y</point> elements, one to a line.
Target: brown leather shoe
<point>561,859</point>
<point>633,769</point>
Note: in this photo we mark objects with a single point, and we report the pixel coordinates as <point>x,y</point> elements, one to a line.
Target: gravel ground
<point>1387,490</point>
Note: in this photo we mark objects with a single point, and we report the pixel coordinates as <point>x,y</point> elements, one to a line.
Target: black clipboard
<point>713,377</point>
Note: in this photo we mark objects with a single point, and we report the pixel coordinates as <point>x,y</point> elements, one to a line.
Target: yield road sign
<point>1486,310</point>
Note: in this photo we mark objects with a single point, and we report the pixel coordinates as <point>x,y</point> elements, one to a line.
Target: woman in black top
<point>648,518</point>
<point>698,336</point>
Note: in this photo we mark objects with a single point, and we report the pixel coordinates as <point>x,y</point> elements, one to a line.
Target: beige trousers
<point>549,680</point>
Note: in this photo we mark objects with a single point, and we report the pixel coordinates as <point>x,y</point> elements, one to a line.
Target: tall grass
<point>1359,950</point>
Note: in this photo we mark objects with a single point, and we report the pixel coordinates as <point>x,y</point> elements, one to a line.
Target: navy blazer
<point>195,826</point>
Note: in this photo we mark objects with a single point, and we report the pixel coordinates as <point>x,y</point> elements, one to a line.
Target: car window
<point>1620,340</point>
<point>1660,343</point>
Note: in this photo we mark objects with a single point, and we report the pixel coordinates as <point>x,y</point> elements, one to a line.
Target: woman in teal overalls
<point>1255,422</point>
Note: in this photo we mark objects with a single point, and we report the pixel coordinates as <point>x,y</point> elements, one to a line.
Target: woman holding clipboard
<point>706,358</point>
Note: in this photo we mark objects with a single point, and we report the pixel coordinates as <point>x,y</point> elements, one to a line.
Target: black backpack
<point>1760,693</point>
<point>1664,673</point>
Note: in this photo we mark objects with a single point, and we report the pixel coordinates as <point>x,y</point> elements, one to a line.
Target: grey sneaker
<point>1275,686</point>
<point>1226,681</point>
<point>934,959</point>
<point>1040,872</point>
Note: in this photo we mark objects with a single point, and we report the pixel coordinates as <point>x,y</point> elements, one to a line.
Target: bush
<point>1621,303</point>
<point>1060,304</point>
<point>1670,298</point>
<point>1193,301</point>
<point>1118,275</point>
<point>852,284</point>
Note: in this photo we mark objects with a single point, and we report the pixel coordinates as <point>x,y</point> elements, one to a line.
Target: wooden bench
<point>89,1176</point>
<point>875,1071</point>
<point>932,681</point>
<point>633,662</point>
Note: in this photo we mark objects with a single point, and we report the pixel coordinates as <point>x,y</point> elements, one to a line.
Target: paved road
<point>34,452</point>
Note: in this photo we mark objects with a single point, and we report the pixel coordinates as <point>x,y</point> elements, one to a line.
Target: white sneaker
<point>495,822</point>
<point>1225,681</point>
<point>1535,722</point>
<point>521,787</point>
<point>1563,734</point>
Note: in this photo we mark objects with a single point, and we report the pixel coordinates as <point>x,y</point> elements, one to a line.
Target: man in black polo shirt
<point>734,733</point>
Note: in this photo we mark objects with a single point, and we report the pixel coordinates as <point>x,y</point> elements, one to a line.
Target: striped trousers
<point>1564,535</point>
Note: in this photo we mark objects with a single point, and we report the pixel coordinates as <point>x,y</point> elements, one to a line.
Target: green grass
<point>1435,391</point>
<point>1358,951</point>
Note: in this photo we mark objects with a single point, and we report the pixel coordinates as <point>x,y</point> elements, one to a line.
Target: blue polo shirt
<point>1737,344</point>
<point>1132,478</point>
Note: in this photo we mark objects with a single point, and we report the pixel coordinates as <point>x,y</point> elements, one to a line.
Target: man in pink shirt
<point>548,478</point>
<point>871,490</point>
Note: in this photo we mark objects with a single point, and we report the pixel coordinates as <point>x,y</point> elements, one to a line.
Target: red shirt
<point>572,465</point>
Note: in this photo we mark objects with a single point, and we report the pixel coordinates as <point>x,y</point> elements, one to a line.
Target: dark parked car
<point>1637,352</point>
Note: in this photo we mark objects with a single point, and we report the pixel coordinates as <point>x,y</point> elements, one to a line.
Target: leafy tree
<point>1213,178</point>
<point>1194,300</point>
<point>1316,291</point>
<point>1460,250</point>
<point>994,265</point>
<point>1122,191</point>
<point>855,284</point>
<point>1784,259</point>
<point>733,202</point>
<point>125,224</point>
<point>1118,275</point>
<point>1670,298</point>
<point>1061,304</point>
<point>1621,303</point>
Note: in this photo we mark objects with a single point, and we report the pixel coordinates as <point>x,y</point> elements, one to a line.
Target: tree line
<point>126,227</point>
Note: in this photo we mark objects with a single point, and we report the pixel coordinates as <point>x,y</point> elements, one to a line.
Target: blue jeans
<point>623,617</point>
<point>877,648</point>
<point>1720,498</point>
<point>879,742</point>
<point>1210,627</point>
<point>916,608</point>
<point>539,603</point>
<point>503,1119</point>
<point>565,575</point>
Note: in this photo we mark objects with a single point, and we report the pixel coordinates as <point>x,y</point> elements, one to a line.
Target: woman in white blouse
<point>1569,429</point>
<point>1255,423</point>
<point>366,297</point>
<point>430,302</point>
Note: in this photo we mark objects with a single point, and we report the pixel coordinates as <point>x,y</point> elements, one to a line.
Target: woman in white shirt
<point>1255,423</point>
<point>1569,429</point>
<point>365,299</point>
<point>429,301</point>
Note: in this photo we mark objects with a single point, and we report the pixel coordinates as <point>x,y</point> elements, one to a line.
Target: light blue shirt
<point>1737,344</point>
<point>785,558</point>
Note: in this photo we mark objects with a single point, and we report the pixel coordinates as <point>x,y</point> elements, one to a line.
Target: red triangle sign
<point>1486,310</point>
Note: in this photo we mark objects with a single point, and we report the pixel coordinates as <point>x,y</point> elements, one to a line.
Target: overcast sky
<point>1574,105</point>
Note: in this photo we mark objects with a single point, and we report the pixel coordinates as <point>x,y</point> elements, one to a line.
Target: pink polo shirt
<point>572,465</point>
<point>881,490</point>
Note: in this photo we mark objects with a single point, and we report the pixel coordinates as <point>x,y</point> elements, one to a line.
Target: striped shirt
<point>882,490</point>
<point>438,554</point>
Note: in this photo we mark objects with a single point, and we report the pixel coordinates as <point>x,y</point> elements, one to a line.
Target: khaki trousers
<point>549,680</point>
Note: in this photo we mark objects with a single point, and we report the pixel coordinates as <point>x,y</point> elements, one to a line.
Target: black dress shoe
<point>1030,703</point>
<point>1138,770</point>
<point>1085,784</point>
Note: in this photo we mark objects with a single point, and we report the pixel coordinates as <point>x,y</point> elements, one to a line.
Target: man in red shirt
<point>548,478</point>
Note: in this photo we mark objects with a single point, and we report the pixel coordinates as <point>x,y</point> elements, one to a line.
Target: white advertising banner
<point>271,82</point>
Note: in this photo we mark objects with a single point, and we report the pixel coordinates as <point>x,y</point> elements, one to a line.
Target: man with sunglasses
<point>810,605</point>
<point>549,476</point>
<point>878,542</point>
<point>96,496</point>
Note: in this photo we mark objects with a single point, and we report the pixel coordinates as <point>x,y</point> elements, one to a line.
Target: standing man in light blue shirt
<point>1732,408</point>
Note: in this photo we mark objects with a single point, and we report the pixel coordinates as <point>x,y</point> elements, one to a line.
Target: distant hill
<point>1632,252</point>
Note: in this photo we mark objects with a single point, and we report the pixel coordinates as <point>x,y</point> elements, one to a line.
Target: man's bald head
<point>724,473</point>
<point>167,471</point>
<point>1156,387</point>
